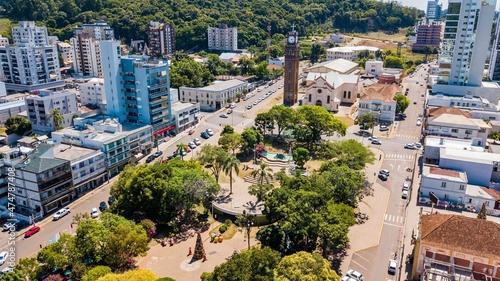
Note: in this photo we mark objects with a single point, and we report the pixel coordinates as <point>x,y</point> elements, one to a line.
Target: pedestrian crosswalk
<point>407,137</point>
<point>393,219</point>
<point>400,156</point>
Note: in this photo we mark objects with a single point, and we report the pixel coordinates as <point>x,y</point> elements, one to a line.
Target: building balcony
<point>43,185</point>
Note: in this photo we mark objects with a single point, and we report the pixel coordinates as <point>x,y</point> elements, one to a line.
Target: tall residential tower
<point>161,39</point>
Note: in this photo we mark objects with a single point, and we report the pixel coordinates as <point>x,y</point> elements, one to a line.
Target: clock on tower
<point>292,52</point>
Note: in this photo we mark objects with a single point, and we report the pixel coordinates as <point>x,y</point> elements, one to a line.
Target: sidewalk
<point>175,263</point>
<point>366,235</point>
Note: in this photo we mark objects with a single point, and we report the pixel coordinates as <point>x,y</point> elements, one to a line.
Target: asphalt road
<point>373,262</point>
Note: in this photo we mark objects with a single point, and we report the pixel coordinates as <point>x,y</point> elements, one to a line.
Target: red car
<point>34,229</point>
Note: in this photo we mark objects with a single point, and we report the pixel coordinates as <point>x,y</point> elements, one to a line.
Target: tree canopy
<point>402,103</point>
<point>17,125</point>
<point>161,192</point>
<point>305,266</point>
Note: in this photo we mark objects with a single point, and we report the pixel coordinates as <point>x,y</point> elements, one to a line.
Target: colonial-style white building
<point>215,96</point>
<point>378,99</point>
<point>330,89</point>
<point>349,52</point>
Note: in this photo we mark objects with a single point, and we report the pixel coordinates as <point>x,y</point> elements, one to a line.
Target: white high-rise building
<point>494,70</point>
<point>86,48</point>
<point>433,10</point>
<point>32,64</point>
<point>465,42</point>
<point>222,38</point>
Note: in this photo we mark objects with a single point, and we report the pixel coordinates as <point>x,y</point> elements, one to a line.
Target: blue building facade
<point>138,89</point>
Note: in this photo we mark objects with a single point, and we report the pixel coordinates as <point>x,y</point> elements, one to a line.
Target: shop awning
<point>164,130</point>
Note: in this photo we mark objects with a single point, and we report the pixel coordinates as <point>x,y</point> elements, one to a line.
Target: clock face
<point>291,39</point>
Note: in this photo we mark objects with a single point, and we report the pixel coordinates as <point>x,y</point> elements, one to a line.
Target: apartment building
<point>121,143</point>
<point>464,49</point>
<point>215,96</point>
<point>222,38</point>
<point>39,109</point>
<point>66,53</point>
<point>433,10</point>
<point>87,59</point>
<point>350,53</point>
<point>428,34</point>
<point>186,115</point>
<point>31,64</point>
<point>161,39</point>
<point>92,93</point>
<point>4,41</point>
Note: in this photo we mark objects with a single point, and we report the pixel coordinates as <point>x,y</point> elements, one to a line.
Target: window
<point>462,187</point>
<point>328,99</point>
<point>443,184</point>
<point>454,130</point>
<point>310,97</point>
<point>319,91</point>
<point>446,196</point>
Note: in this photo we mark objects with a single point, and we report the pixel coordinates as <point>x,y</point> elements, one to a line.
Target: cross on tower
<point>293,27</point>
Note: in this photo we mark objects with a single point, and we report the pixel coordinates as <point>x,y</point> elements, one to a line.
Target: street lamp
<point>249,228</point>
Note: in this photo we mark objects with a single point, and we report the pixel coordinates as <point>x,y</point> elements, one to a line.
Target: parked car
<point>417,145</point>
<point>33,230</point>
<point>255,102</point>
<point>7,270</point>
<point>392,267</point>
<point>191,131</point>
<point>229,111</point>
<point>192,145</point>
<point>17,224</point>
<point>223,115</point>
<point>150,158</point>
<point>383,128</point>
<point>3,257</point>
<point>233,105</point>
<point>158,154</point>
<point>197,141</point>
<point>404,195</point>
<point>111,200</point>
<point>103,206</point>
<point>376,141</point>
<point>355,275</point>
<point>205,135</point>
<point>383,177</point>
<point>61,213</point>
<point>409,146</point>
<point>406,186</point>
<point>210,132</point>
<point>249,107</point>
<point>415,102</point>
<point>419,123</point>
<point>384,172</point>
<point>94,213</point>
<point>372,138</point>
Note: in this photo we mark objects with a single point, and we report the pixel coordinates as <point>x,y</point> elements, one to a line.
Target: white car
<point>406,186</point>
<point>419,123</point>
<point>405,194</point>
<point>232,106</point>
<point>95,213</point>
<point>197,141</point>
<point>61,213</point>
<point>355,275</point>
<point>7,269</point>
<point>417,145</point>
<point>3,257</point>
<point>210,132</point>
<point>372,138</point>
<point>255,102</point>
<point>383,128</point>
<point>392,266</point>
<point>192,145</point>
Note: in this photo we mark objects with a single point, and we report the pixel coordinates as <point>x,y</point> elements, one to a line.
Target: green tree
<point>184,71</point>
<point>316,52</point>
<point>283,116</point>
<point>482,213</point>
<point>367,120</point>
<point>260,191</point>
<point>402,103</point>
<point>232,164</point>
<point>378,54</point>
<point>213,157</point>
<point>249,138</point>
<point>494,135</point>
<point>96,272</point>
<point>315,121</point>
<point>255,264</point>
<point>305,266</point>
<point>349,152</point>
<point>393,62</point>
<point>27,269</point>
<point>301,156</point>
<point>215,65</point>
<point>261,70</point>
<point>364,54</point>
<point>246,65</point>
<point>227,130</point>
<point>264,173</point>
<point>181,149</point>
<point>230,141</point>
<point>131,275</point>
<point>56,117</point>
<point>427,51</point>
<point>272,236</point>
<point>60,254</point>
<point>17,125</point>
<point>264,121</point>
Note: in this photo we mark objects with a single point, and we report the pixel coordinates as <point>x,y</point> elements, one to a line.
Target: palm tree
<point>231,163</point>
<point>57,118</point>
<point>264,173</point>
<point>181,149</point>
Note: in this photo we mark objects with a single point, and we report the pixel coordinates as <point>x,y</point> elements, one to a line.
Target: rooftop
<point>333,78</point>
<point>12,104</point>
<point>440,173</point>
<point>179,106</point>
<point>448,110</point>
<point>495,194</point>
<point>481,238</point>
<point>478,192</point>
<point>459,121</point>
<point>42,159</point>
<point>338,65</point>
<point>382,92</point>
<point>460,144</point>
<point>352,49</point>
<point>48,95</point>
<point>222,85</point>
<point>227,56</point>
<point>468,156</point>
<point>72,152</point>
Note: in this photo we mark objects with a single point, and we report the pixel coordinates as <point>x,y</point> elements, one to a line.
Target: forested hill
<point>192,17</point>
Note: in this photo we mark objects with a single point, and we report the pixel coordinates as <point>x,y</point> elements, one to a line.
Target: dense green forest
<point>191,18</point>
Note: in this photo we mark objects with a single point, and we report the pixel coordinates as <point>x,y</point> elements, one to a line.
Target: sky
<point>422,4</point>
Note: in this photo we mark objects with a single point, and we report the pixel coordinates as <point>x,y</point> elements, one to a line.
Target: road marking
<point>358,264</point>
<point>361,257</point>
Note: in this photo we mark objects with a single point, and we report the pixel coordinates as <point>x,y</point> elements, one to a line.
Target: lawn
<point>346,120</point>
<point>230,232</point>
<point>379,35</point>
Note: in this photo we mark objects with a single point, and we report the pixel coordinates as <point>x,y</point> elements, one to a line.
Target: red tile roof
<point>444,172</point>
<point>383,92</point>
<point>472,236</point>
<point>450,110</point>
<point>492,192</point>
